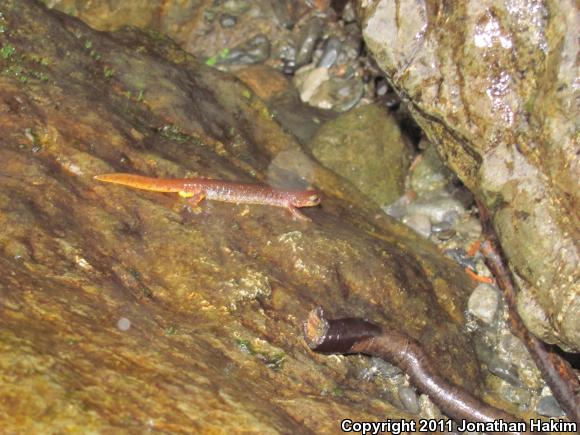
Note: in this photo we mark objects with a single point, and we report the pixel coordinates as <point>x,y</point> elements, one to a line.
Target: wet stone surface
<point>259,272</point>
<point>118,304</point>
<point>440,212</point>
<point>505,125</point>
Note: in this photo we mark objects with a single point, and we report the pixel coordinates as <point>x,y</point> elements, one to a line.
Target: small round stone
<point>443,230</point>
<point>331,51</point>
<point>384,368</point>
<point>483,303</point>
<point>409,399</point>
<point>308,39</point>
<point>227,20</point>
<point>471,228</point>
<point>419,222</point>
<point>123,324</point>
<point>446,235</point>
<point>549,407</point>
<point>441,226</point>
<point>348,13</point>
<point>504,370</point>
<point>391,101</point>
<point>438,207</point>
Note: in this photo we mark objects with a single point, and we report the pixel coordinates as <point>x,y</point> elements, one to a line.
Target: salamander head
<point>308,198</point>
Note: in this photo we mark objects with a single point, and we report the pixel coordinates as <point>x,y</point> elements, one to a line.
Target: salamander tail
<point>140,182</point>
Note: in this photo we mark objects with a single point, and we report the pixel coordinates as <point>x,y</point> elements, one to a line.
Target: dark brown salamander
<point>355,335</point>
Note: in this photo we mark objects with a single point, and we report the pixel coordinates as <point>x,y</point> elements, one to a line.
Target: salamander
<point>197,189</point>
<point>356,335</point>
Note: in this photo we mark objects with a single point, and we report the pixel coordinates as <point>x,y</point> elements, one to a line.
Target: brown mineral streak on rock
<point>214,297</point>
<point>493,87</point>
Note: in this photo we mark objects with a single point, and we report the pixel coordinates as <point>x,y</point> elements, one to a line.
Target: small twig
<point>355,335</point>
<point>478,278</point>
<point>558,374</point>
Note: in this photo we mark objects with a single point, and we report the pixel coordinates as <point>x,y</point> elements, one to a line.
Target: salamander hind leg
<point>193,198</point>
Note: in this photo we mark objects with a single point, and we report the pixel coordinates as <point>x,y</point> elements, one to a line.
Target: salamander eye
<point>314,199</point>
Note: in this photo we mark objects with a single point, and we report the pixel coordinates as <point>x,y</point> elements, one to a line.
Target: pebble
<point>255,50</point>
<point>391,101</point>
<point>282,13</point>
<point>318,89</point>
<point>351,49</point>
<point>330,54</point>
<point>377,369</point>
<point>381,87</point>
<point>470,228</point>
<point>308,80</point>
<point>429,174</point>
<point>439,207</point>
<point>418,222</point>
<point>449,217</point>
<point>460,255</point>
<point>227,20</point>
<point>515,394</point>
<point>341,94</point>
<point>384,368</point>
<point>308,40</point>
<point>549,406</point>
<point>508,372</point>
<point>409,399</point>
<point>287,54</point>
<point>288,67</point>
<point>446,234</point>
<point>236,7</point>
<point>513,348</point>
<point>348,13</point>
<point>398,209</point>
<point>440,227</point>
<point>483,302</point>
<point>484,344</point>
<point>123,324</point>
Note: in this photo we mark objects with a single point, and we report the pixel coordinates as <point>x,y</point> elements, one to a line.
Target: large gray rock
<point>495,87</point>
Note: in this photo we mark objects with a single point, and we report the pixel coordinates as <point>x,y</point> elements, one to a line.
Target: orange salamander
<point>196,189</point>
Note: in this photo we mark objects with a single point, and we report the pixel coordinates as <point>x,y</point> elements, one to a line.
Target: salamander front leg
<point>296,214</point>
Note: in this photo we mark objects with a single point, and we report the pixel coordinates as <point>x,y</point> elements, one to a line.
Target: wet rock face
<point>366,147</point>
<point>131,311</point>
<point>494,87</point>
